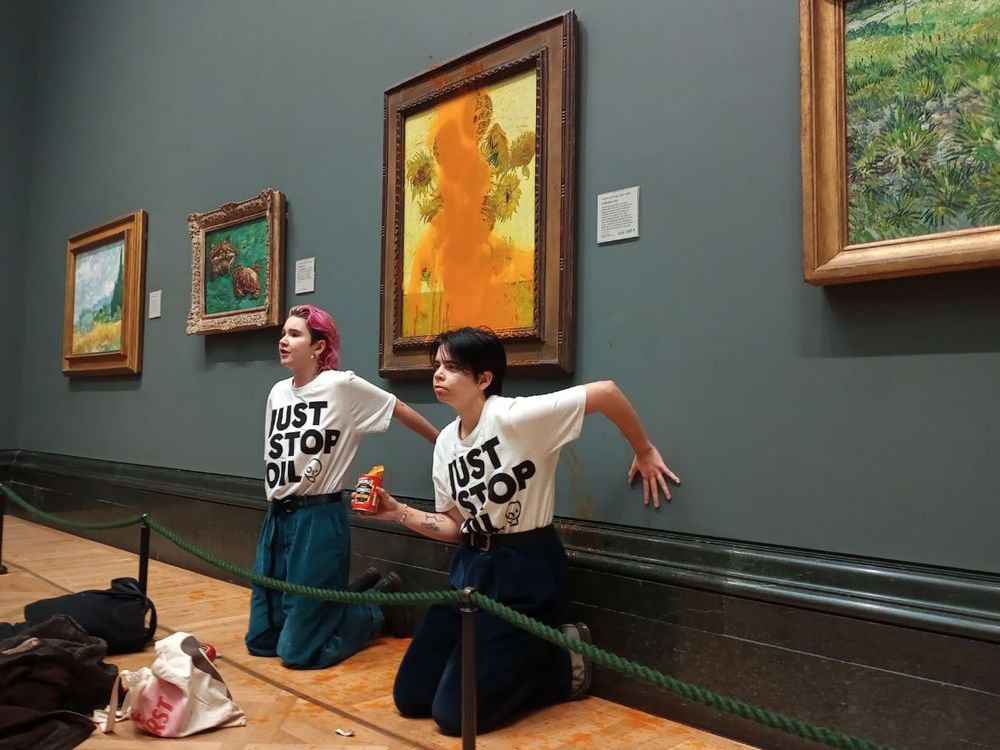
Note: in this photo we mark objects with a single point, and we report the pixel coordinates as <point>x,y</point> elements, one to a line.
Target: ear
<point>319,347</point>
<point>484,380</point>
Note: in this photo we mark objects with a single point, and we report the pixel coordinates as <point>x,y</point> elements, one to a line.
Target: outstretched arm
<point>445,527</point>
<point>607,398</point>
<point>414,420</point>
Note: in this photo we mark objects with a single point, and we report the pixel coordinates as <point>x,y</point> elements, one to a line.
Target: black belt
<point>292,503</point>
<point>486,542</point>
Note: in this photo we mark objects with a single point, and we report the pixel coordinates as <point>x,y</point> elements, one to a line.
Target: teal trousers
<point>310,546</point>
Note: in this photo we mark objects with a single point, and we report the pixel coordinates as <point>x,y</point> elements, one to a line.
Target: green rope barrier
<point>707,697</point>
<point>343,597</point>
<point>57,520</point>
<point>787,724</point>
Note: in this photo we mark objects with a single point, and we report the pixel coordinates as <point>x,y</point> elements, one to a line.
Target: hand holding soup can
<point>365,499</point>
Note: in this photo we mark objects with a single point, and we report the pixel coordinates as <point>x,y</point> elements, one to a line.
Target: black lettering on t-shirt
<point>490,447</point>
<point>317,408</point>
<point>502,487</point>
<point>498,487</point>
<point>477,467</point>
<point>275,442</point>
<point>290,438</point>
<point>312,442</point>
<point>524,471</point>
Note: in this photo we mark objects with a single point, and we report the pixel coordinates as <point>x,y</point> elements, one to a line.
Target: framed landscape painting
<point>102,312</point>
<point>237,265</point>
<point>900,137</point>
<point>478,202</point>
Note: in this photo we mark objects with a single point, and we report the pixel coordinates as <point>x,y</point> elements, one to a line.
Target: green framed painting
<point>478,201</point>
<point>900,114</point>
<point>237,261</point>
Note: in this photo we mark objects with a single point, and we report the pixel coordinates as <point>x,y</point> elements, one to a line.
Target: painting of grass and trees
<point>923,116</point>
<point>97,299</point>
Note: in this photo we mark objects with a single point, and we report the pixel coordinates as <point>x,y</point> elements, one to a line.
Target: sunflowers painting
<point>479,197</point>
<point>469,210</point>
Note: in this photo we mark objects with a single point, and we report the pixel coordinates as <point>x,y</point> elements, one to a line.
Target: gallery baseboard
<point>904,654</point>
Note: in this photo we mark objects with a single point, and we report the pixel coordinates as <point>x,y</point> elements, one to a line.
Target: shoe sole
<point>369,578</point>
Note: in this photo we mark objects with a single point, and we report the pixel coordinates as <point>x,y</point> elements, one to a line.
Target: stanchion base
<point>3,569</point>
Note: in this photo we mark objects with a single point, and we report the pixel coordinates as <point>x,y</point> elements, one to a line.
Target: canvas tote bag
<point>183,693</point>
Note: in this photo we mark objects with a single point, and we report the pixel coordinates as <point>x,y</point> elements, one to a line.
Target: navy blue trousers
<point>515,671</point>
<point>311,546</point>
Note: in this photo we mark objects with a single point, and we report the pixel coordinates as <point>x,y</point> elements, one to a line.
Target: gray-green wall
<point>858,420</point>
<point>15,77</point>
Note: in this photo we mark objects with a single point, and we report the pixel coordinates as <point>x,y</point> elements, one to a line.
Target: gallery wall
<point>858,420</point>
<point>15,76</point>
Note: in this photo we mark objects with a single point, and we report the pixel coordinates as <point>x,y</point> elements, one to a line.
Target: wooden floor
<point>296,710</point>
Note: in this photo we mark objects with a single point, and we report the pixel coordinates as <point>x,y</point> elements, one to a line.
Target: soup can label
<point>365,498</point>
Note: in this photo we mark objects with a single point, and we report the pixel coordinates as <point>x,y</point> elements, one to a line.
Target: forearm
<point>414,420</point>
<point>607,398</point>
<point>438,526</point>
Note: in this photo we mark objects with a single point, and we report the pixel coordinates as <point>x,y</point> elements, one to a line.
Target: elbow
<point>601,394</point>
<point>609,391</point>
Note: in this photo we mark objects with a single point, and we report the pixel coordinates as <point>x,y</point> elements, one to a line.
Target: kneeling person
<point>494,481</point>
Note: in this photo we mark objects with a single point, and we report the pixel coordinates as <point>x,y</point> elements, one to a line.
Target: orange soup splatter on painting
<point>469,211</point>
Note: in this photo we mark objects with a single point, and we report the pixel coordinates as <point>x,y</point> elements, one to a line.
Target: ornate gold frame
<point>550,48</point>
<point>270,204</point>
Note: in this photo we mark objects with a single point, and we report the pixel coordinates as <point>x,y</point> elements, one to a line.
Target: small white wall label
<point>618,215</point>
<point>305,275</point>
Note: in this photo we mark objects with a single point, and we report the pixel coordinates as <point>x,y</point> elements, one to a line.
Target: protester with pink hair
<point>313,425</point>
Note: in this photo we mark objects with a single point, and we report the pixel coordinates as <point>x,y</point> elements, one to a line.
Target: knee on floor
<point>410,706</point>
<point>448,718</point>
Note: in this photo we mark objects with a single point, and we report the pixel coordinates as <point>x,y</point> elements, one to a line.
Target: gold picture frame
<point>103,307</point>
<point>237,265</point>
<point>829,256</point>
<point>479,193</point>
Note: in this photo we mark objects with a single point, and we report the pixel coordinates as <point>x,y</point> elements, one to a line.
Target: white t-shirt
<point>311,434</point>
<point>502,476</point>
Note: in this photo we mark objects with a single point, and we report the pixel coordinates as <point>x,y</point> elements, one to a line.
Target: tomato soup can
<point>365,498</point>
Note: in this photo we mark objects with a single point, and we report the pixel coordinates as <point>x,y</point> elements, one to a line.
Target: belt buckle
<point>481,541</point>
<point>289,504</point>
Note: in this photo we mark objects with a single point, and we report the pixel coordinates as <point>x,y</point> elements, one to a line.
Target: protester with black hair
<point>494,481</point>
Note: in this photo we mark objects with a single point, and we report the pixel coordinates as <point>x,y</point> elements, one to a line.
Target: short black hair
<point>475,350</point>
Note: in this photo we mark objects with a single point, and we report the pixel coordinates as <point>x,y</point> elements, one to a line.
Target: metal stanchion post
<point>468,670</point>
<point>143,554</point>
<point>3,510</point>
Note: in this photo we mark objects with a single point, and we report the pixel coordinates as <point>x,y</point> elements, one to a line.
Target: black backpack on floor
<point>117,615</point>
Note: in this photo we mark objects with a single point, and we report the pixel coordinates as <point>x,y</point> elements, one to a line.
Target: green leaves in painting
<point>923,118</point>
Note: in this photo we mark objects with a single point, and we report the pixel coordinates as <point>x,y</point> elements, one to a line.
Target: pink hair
<point>321,325</point>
